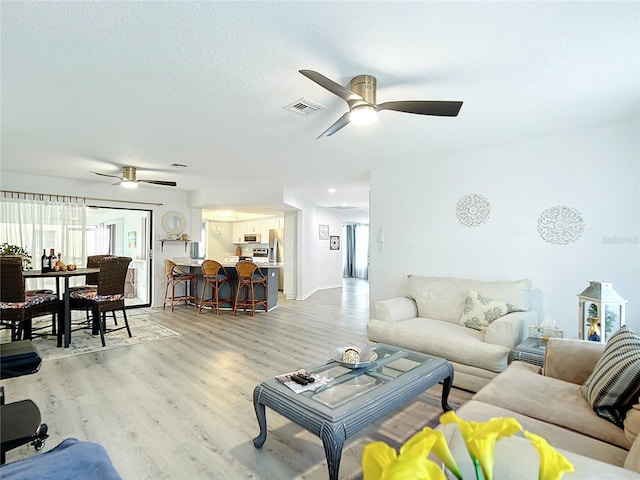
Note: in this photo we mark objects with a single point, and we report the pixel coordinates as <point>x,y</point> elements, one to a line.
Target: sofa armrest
<point>394,309</point>
<point>571,360</point>
<point>511,329</point>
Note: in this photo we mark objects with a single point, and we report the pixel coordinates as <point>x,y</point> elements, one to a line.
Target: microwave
<point>252,237</point>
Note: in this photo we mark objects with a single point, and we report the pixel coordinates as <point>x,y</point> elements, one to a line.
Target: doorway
<point>124,232</point>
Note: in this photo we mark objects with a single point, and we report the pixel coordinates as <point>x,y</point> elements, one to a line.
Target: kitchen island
<point>271,270</point>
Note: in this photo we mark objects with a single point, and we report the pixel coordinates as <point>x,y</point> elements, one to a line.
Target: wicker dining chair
<point>91,279</point>
<point>91,283</point>
<point>249,277</point>
<point>18,307</point>
<point>176,276</point>
<point>215,276</point>
<point>108,297</point>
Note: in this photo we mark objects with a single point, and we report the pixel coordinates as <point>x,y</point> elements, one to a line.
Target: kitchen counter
<point>197,263</point>
<point>272,270</point>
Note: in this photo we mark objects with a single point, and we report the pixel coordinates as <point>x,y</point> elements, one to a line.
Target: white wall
<point>317,266</point>
<point>596,172</point>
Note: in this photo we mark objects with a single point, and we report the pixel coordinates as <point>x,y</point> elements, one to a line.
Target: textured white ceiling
<point>99,85</point>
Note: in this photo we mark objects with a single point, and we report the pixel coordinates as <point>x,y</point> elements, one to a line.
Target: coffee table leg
<point>333,441</point>
<point>262,418</point>
<point>446,388</point>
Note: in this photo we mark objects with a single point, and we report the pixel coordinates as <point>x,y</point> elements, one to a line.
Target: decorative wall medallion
<point>334,242</point>
<point>473,210</point>
<point>560,225</point>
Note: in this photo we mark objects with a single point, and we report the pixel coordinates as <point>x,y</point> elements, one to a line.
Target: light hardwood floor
<point>181,408</point>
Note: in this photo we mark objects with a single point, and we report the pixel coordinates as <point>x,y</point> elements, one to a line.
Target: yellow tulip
<point>553,465</point>
<point>481,437</point>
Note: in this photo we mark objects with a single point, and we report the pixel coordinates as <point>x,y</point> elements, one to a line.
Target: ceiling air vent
<point>304,106</point>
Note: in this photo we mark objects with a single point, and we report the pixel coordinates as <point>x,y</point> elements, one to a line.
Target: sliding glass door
<point>124,232</point>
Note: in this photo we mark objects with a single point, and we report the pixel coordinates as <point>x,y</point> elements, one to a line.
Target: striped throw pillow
<point>614,384</point>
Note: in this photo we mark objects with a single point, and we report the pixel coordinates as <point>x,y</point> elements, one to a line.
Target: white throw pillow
<point>480,311</point>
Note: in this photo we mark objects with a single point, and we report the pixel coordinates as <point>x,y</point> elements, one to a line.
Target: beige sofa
<point>551,404</point>
<point>426,320</point>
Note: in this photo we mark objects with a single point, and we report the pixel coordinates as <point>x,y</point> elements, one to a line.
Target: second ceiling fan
<point>130,180</point>
<point>361,99</point>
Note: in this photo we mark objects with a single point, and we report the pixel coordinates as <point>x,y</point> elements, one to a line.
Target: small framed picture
<point>334,242</point>
<point>323,232</point>
<point>132,239</point>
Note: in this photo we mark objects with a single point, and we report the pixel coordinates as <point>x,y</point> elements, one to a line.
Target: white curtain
<point>42,222</point>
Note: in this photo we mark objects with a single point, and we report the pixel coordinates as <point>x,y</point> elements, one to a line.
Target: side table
<point>532,351</point>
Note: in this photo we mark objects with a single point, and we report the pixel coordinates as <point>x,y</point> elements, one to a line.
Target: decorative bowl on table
<point>353,357</point>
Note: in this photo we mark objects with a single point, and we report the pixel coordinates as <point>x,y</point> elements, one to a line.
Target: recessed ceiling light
<point>331,190</point>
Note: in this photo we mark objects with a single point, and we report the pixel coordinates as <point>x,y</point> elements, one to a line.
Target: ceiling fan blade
<point>160,182</point>
<point>105,175</point>
<point>423,107</point>
<point>335,88</point>
<point>341,122</point>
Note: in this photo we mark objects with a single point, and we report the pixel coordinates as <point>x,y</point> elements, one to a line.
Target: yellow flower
<point>380,461</point>
<point>434,441</point>
<point>553,465</point>
<point>481,437</point>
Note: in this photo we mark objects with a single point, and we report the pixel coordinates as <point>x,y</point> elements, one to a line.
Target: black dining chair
<point>19,307</point>
<point>107,297</point>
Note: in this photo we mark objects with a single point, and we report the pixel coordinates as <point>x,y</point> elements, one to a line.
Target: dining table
<point>66,275</point>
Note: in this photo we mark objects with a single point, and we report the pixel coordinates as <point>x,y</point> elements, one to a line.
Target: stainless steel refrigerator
<point>276,252</point>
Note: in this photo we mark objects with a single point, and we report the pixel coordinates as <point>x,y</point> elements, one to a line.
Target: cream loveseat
<point>551,404</point>
<point>427,319</point>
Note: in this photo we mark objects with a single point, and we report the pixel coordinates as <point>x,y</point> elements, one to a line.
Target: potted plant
<point>7,249</point>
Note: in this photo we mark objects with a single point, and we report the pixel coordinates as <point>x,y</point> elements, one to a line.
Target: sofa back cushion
<point>443,298</point>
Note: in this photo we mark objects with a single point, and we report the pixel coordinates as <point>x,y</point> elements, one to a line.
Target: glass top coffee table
<point>355,398</point>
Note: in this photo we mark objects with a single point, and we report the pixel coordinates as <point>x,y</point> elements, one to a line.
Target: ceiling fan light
<point>363,115</point>
<point>128,184</point>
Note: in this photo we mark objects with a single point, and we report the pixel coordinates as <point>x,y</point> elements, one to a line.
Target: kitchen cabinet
<point>241,228</point>
<point>260,227</point>
<point>238,230</point>
<point>266,225</point>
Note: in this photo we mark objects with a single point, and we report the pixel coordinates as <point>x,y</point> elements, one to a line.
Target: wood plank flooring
<point>181,408</point>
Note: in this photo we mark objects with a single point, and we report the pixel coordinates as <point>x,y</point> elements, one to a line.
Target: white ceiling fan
<point>363,108</point>
<point>128,179</point>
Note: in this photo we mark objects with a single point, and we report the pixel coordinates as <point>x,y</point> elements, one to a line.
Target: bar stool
<point>176,276</point>
<point>214,274</point>
<point>249,275</point>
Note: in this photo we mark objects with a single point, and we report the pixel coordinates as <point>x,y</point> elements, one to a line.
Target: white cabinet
<point>266,225</point>
<point>260,227</point>
<point>253,226</point>
<point>238,230</point>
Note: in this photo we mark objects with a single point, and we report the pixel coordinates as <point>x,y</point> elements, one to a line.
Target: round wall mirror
<point>173,223</point>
